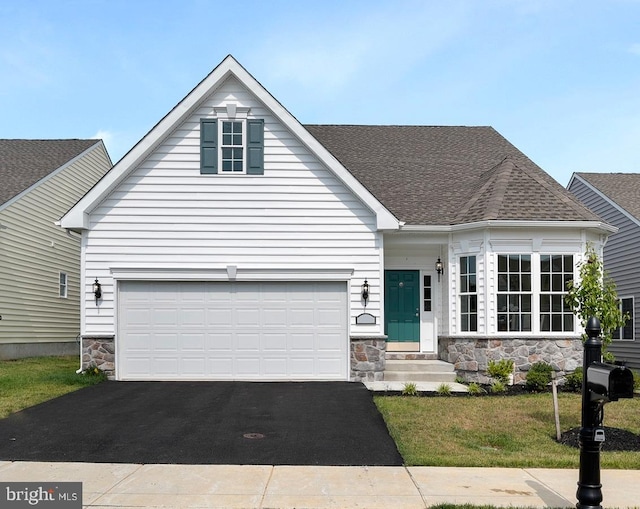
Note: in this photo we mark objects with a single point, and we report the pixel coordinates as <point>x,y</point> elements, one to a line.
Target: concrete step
<point>424,370</point>
<point>432,366</point>
<point>417,376</point>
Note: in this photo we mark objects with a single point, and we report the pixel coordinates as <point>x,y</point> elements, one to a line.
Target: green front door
<point>402,305</point>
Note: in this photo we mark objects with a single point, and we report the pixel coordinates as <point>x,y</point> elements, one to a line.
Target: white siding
<point>33,250</point>
<point>166,216</point>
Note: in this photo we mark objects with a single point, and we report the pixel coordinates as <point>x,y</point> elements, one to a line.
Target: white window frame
<point>551,293</point>
<point>468,294</point>
<point>535,292</point>
<point>520,293</point>
<point>63,286</point>
<point>221,146</point>
<point>631,319</point>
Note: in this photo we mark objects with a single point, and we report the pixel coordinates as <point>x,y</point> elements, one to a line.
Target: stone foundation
<point>470,356</point>
<point>367,359</point>
<point>99,351</point>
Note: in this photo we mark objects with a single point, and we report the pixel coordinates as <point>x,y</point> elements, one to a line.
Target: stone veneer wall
<point>99,351</point>
<point>367,359</point>
<point>470,356</point>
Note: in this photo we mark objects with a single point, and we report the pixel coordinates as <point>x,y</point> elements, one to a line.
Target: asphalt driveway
<point>259,423</point>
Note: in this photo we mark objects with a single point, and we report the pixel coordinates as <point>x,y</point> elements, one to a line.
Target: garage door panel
<point>269,330</point>
<point>166,366</point>
<point>274,342</point>
<point>248,341</point>
<point>193,342</point>
<point>274,366</point>
<point>221,366</point>
<point>220,341</point>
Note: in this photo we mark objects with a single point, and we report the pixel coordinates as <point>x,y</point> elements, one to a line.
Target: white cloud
<point>104,135</point>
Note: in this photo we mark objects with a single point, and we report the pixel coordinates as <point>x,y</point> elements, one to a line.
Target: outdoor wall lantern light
<point>439,268</point>
<point>97,290</point>
<point>365,292</point>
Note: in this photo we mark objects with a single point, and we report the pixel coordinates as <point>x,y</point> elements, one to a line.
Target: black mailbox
<point>608,382</point>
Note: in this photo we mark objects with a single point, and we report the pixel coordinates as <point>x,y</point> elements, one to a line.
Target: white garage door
<point>232,331</point>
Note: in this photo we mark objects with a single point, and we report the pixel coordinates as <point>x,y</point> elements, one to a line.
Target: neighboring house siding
<point>33,251</point>
<point>621,261</point>
<point>167,216</point>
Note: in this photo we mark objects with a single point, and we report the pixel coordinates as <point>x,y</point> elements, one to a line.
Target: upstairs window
<point>514,293</point>
<point>231,146</point>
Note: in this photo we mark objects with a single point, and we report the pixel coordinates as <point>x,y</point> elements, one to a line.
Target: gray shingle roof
<point>622,188</point>
<point>449,175</point>
<point>25,162</point>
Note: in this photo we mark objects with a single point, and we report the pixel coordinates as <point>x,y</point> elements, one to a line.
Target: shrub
<point>444,389</point>
<point>474,388</point>
<point>636,380</point>
<point>500,370</point>
<point>573,381</point>
<point>498,386</point>
<point>410,389</point>
<point>539,376</point>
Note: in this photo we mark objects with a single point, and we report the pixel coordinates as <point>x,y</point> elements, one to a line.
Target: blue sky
<point>559,78</point>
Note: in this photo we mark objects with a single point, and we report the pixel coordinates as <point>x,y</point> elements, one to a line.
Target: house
<point>233,242</point>
<point>615,197</point>
<point>40,263</point>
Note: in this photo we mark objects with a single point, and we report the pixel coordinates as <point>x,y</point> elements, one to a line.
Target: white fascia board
<point>78,216</point>
<point>588,225</point>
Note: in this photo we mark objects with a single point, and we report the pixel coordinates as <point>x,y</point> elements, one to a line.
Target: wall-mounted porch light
<point>365,292</point>
<point>439,268</point>
<point>97,290</point>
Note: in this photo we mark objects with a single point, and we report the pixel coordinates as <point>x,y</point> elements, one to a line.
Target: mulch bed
<point>615,439</point>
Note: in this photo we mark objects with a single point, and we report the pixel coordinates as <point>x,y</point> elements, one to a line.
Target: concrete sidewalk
<point>112,485</point>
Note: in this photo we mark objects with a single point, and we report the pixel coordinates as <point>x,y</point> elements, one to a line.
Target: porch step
<point>419,370</point>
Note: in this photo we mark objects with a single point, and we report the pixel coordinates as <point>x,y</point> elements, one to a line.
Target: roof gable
<point>428,175</point>
<point>77,217</point>
<point>23,163</point>
<point>621,189</point>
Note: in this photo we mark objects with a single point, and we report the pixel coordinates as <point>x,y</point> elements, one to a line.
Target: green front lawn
<point>27,382</point>
<point>498,431</point>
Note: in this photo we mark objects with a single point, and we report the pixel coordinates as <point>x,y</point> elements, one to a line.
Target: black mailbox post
<point>601,383</point>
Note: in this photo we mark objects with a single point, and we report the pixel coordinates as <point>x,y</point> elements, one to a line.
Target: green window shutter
<point>255,147</point>
<point>208,146</point>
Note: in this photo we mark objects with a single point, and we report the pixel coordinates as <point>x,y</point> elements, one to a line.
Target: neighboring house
<point>233,242</point>
<point>40,263</point>
<point>615,197</point>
